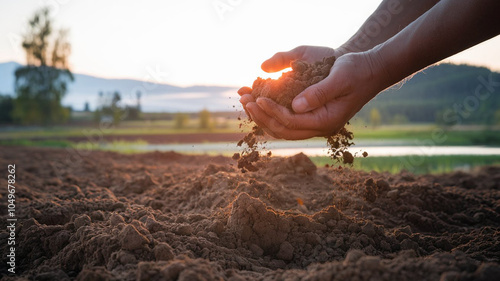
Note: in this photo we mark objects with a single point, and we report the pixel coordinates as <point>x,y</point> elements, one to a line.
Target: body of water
<point>312,148</point>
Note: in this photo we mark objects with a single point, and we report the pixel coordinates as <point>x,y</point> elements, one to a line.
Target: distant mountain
<point>457,93</point>
<point>426,97</point>
<point>156,97</point>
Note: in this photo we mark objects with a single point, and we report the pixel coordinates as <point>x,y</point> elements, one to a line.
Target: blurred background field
<point>161,131</point>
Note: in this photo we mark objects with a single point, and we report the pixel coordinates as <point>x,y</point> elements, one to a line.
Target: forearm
<point>389,18</point>
<point>448,28</point>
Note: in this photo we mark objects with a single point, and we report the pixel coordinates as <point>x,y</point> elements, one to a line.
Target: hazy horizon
<point>228,86</point>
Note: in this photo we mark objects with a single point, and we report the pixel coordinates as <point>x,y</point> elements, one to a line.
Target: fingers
<point>279,122</point>
<point>317,95</point>
<point>246,99</point>
<point>275,128</point>
<point>260,115</point>
<point>281,60</point>
<point>324,121</point>
<point>256,114</point>
<point>244,91</point>
<point>290,120</point>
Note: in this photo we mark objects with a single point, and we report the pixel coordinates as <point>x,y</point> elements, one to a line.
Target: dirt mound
<point>166,216</point>
<point>254,223</point>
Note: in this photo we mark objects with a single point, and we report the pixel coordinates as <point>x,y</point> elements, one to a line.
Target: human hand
<point>323,108</point>
<point>282,60</point>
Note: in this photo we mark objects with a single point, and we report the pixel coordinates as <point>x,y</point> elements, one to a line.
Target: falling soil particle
<point>250,154</point>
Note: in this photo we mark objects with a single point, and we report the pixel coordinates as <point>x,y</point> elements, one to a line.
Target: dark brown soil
<point>96,137</point>
<point>249,159</point>
<point>292,83</point>
<point>338,146</point>
<point>283,91</point>
<point>167,216</point>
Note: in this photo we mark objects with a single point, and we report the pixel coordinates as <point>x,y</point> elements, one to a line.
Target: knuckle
<point>284,118</point>
<point>276,127</point>
<point>287,123</point>
<point>269,132</point>
<point>300,49</point>
<point>280,55</point>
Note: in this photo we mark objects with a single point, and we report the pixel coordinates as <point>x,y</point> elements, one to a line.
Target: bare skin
<point>420,34</point>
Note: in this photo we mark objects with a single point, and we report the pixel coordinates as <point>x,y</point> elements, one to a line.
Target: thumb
<point>319,94</point>
<point>280,61</point>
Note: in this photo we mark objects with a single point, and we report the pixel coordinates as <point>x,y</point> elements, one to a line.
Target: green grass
<point>123,147</point>
<point>414,134</point>
<point>116,146</point>
<point>37,143</point>
<point>417,134</point>
<point>421,164</point>
<point>158,127</point>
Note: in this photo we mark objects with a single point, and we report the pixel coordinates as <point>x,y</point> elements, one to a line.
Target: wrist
<point>379,68</point>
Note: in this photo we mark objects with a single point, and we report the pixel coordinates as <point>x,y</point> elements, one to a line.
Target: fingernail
<point>300,104</point>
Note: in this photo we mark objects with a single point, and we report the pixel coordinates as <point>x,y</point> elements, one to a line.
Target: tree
<point>205,119</point>
<point>375,117</point>
<point>109,108</point>
<point>399,119</point>
<point>6,107</point>
<point>496,117</point>
<point>134,112</point>
<point>138,94</point>
<point>43,82</point>
<point>181,120</point>
<point>116,111</point>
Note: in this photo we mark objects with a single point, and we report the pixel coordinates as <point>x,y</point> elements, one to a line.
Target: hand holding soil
<point>323,108</point>
<point>281,95</point>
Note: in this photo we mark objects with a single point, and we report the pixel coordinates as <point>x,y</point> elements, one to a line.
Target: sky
<point>196,42</point>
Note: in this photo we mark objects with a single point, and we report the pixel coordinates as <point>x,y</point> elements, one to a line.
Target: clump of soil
<point>339,144</point>
<point>292,83</point>
<point>283,91</point>
<point>199,218</point>
<point>250,154</point>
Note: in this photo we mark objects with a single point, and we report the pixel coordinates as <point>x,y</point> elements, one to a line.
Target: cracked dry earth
<point>167,216</point>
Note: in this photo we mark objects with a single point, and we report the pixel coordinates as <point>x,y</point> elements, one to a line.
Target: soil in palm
<point>283,91</point>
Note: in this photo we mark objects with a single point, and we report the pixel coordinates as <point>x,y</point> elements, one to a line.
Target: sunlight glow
<point>274,75</point>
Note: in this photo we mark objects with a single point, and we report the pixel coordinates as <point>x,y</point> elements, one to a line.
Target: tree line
<point>445,94</point>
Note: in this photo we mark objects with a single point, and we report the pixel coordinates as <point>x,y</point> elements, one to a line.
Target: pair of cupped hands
<point>323,108</point>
